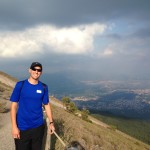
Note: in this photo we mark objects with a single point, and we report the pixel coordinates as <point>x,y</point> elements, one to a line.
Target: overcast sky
<point>105,39</point>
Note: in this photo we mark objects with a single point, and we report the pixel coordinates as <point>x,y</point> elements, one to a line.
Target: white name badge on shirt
<point>38,91</point>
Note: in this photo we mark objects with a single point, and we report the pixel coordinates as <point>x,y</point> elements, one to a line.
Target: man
<point>26,110</point>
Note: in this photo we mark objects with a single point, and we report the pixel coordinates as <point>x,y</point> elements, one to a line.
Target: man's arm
<point>13,112</point>
<point>49,115</point>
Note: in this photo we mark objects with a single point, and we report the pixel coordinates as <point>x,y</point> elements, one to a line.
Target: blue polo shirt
<point>30,100</point>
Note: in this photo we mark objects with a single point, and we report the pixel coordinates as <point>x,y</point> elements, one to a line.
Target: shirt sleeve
<point>16,92</point>
<point>46,96</point>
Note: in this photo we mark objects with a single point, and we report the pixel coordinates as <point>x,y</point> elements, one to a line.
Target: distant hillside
<point>7,79</point>
<point>6,85</point>
<point>90,135</point>
<point>72,128</point>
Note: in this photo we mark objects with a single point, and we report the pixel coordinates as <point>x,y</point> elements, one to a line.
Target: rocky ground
<point>6,140</point>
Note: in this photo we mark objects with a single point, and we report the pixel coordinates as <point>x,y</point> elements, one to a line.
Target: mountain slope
<point>7,79</point>
<point>70,128</point>
<point>6,84</point>
<point>90,135</point>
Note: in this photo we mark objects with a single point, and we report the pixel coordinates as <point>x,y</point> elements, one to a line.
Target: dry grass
<point>3,106</point>
<point>91,136</point>
<point>5,91</point>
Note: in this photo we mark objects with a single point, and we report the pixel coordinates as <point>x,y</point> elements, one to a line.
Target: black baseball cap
<point>36,64</point>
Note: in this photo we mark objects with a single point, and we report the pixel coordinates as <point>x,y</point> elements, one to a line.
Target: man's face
<point>35,72</point>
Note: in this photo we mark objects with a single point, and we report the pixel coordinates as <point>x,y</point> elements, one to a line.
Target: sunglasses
<point>38,70</point>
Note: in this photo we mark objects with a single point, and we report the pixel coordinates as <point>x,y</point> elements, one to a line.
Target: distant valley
<point>122,98</point>
<point>119,103</point>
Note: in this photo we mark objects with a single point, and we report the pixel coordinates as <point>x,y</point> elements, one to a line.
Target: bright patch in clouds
<point>73,40</point>
<point>108,52</point>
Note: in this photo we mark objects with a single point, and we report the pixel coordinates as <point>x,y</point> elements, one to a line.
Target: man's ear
<point>29,70</point>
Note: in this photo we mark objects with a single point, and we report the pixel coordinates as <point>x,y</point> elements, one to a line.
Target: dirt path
<point>96,121</point>
<point>6,140</point>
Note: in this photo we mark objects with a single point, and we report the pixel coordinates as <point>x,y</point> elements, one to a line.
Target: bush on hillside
<point>66,102</point>
<point>2,107</point>
<point>85,114</point>
<point>72,107</point>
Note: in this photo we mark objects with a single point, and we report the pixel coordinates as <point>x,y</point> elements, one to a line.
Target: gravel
<point>6,139</point>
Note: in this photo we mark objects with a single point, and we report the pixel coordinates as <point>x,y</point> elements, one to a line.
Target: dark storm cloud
<point>21,14</point>
<point>123,48</point>
<point>142,33</point>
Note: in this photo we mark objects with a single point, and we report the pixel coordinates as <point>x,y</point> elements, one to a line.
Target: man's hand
<point>51,128</point>
<point>49,116</point>
<point>16,133</point>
